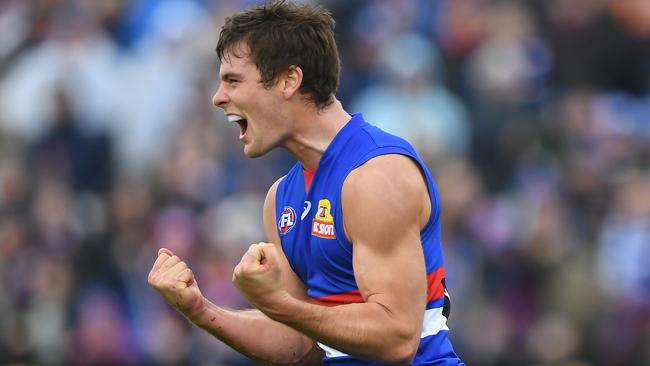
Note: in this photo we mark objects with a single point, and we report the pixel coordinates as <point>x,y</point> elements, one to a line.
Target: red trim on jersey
<point>435,291</point>
<point>339,299</point>
<point>309,175</point>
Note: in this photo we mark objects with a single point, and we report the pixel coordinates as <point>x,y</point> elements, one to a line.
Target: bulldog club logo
<point>323,223</point>
<point>287,220</point>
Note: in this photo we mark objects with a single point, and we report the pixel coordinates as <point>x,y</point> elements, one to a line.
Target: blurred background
<point>533,115</point>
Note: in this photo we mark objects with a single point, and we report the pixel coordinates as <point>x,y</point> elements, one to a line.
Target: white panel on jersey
<point>331,352</point>
<point>433,322</point>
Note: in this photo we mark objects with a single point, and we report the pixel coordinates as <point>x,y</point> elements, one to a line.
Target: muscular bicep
<point>385,204</point>
<point>291,281</point>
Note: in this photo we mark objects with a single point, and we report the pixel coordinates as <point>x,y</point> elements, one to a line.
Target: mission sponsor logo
<point>287,220</point>
<point>323,224</point>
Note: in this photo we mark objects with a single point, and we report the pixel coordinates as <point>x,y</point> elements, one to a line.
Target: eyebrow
<point>230,75</point>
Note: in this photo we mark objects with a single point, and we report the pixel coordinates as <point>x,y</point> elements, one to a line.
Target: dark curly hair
<point>281,34</point>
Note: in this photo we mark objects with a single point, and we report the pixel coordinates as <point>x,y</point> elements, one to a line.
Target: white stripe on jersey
<point>433,323</point>
<point>331,352</point>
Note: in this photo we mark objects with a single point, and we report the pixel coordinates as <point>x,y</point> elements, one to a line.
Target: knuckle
<point>236,276</point>
<point>168,284</point>
<point>241,271</point>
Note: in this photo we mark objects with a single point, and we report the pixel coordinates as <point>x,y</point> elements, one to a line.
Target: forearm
<point>365,330</point>
<point>258,337</point>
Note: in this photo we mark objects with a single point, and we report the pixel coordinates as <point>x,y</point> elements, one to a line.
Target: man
<point>353,273</point>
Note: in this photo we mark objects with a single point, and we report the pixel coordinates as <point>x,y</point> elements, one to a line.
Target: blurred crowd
<point>533,115</point>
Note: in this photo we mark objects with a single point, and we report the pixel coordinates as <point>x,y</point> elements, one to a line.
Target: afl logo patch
<point>287,220</point>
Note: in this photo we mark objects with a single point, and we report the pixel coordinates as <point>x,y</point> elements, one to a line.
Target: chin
<point>250,152</point>
<point>255,149</point>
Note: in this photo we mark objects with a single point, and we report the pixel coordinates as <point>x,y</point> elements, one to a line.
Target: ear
<point>292,80</point>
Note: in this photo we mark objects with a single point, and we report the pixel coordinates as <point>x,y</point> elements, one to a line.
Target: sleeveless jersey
<point>310,226</point>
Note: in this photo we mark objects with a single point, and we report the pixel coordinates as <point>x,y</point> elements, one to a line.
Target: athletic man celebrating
<point>353,272</point>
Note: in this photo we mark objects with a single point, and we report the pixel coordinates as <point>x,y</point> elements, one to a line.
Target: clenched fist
<point>258,276</point>
<point>174,280</point>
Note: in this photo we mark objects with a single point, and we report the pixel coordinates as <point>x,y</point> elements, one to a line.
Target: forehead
<point>236,60</point>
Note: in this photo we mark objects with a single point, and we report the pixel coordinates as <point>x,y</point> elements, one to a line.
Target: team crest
<point>287,220</point>
<point>323,223</point>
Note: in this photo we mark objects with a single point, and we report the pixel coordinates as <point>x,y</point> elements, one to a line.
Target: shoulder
<point>268,213</point>
<point>389,173</point>
<point>269,202</point>
<point>386,189</point>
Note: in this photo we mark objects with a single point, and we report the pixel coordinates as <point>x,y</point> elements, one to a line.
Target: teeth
<point>234,118</point>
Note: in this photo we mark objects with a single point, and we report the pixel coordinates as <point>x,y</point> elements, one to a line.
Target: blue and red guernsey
<point>310,225</point>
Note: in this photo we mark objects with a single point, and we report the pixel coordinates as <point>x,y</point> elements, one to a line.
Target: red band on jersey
<point>339,299</point>
<point>435,288</point>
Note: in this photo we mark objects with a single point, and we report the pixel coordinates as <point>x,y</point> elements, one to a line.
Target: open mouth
<point>242,122</point>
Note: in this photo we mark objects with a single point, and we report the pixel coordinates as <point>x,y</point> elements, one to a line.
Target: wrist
<point>280,307</point>
<point>197,314</point>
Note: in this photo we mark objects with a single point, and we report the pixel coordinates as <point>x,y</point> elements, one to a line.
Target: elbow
<point>312,357</point>
<point>403,351</point>
<point>403,355</point>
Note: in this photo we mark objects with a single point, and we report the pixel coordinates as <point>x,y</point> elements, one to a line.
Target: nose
<point>220,98</point>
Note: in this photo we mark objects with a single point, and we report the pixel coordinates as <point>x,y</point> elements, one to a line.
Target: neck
<point>314,131</point>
